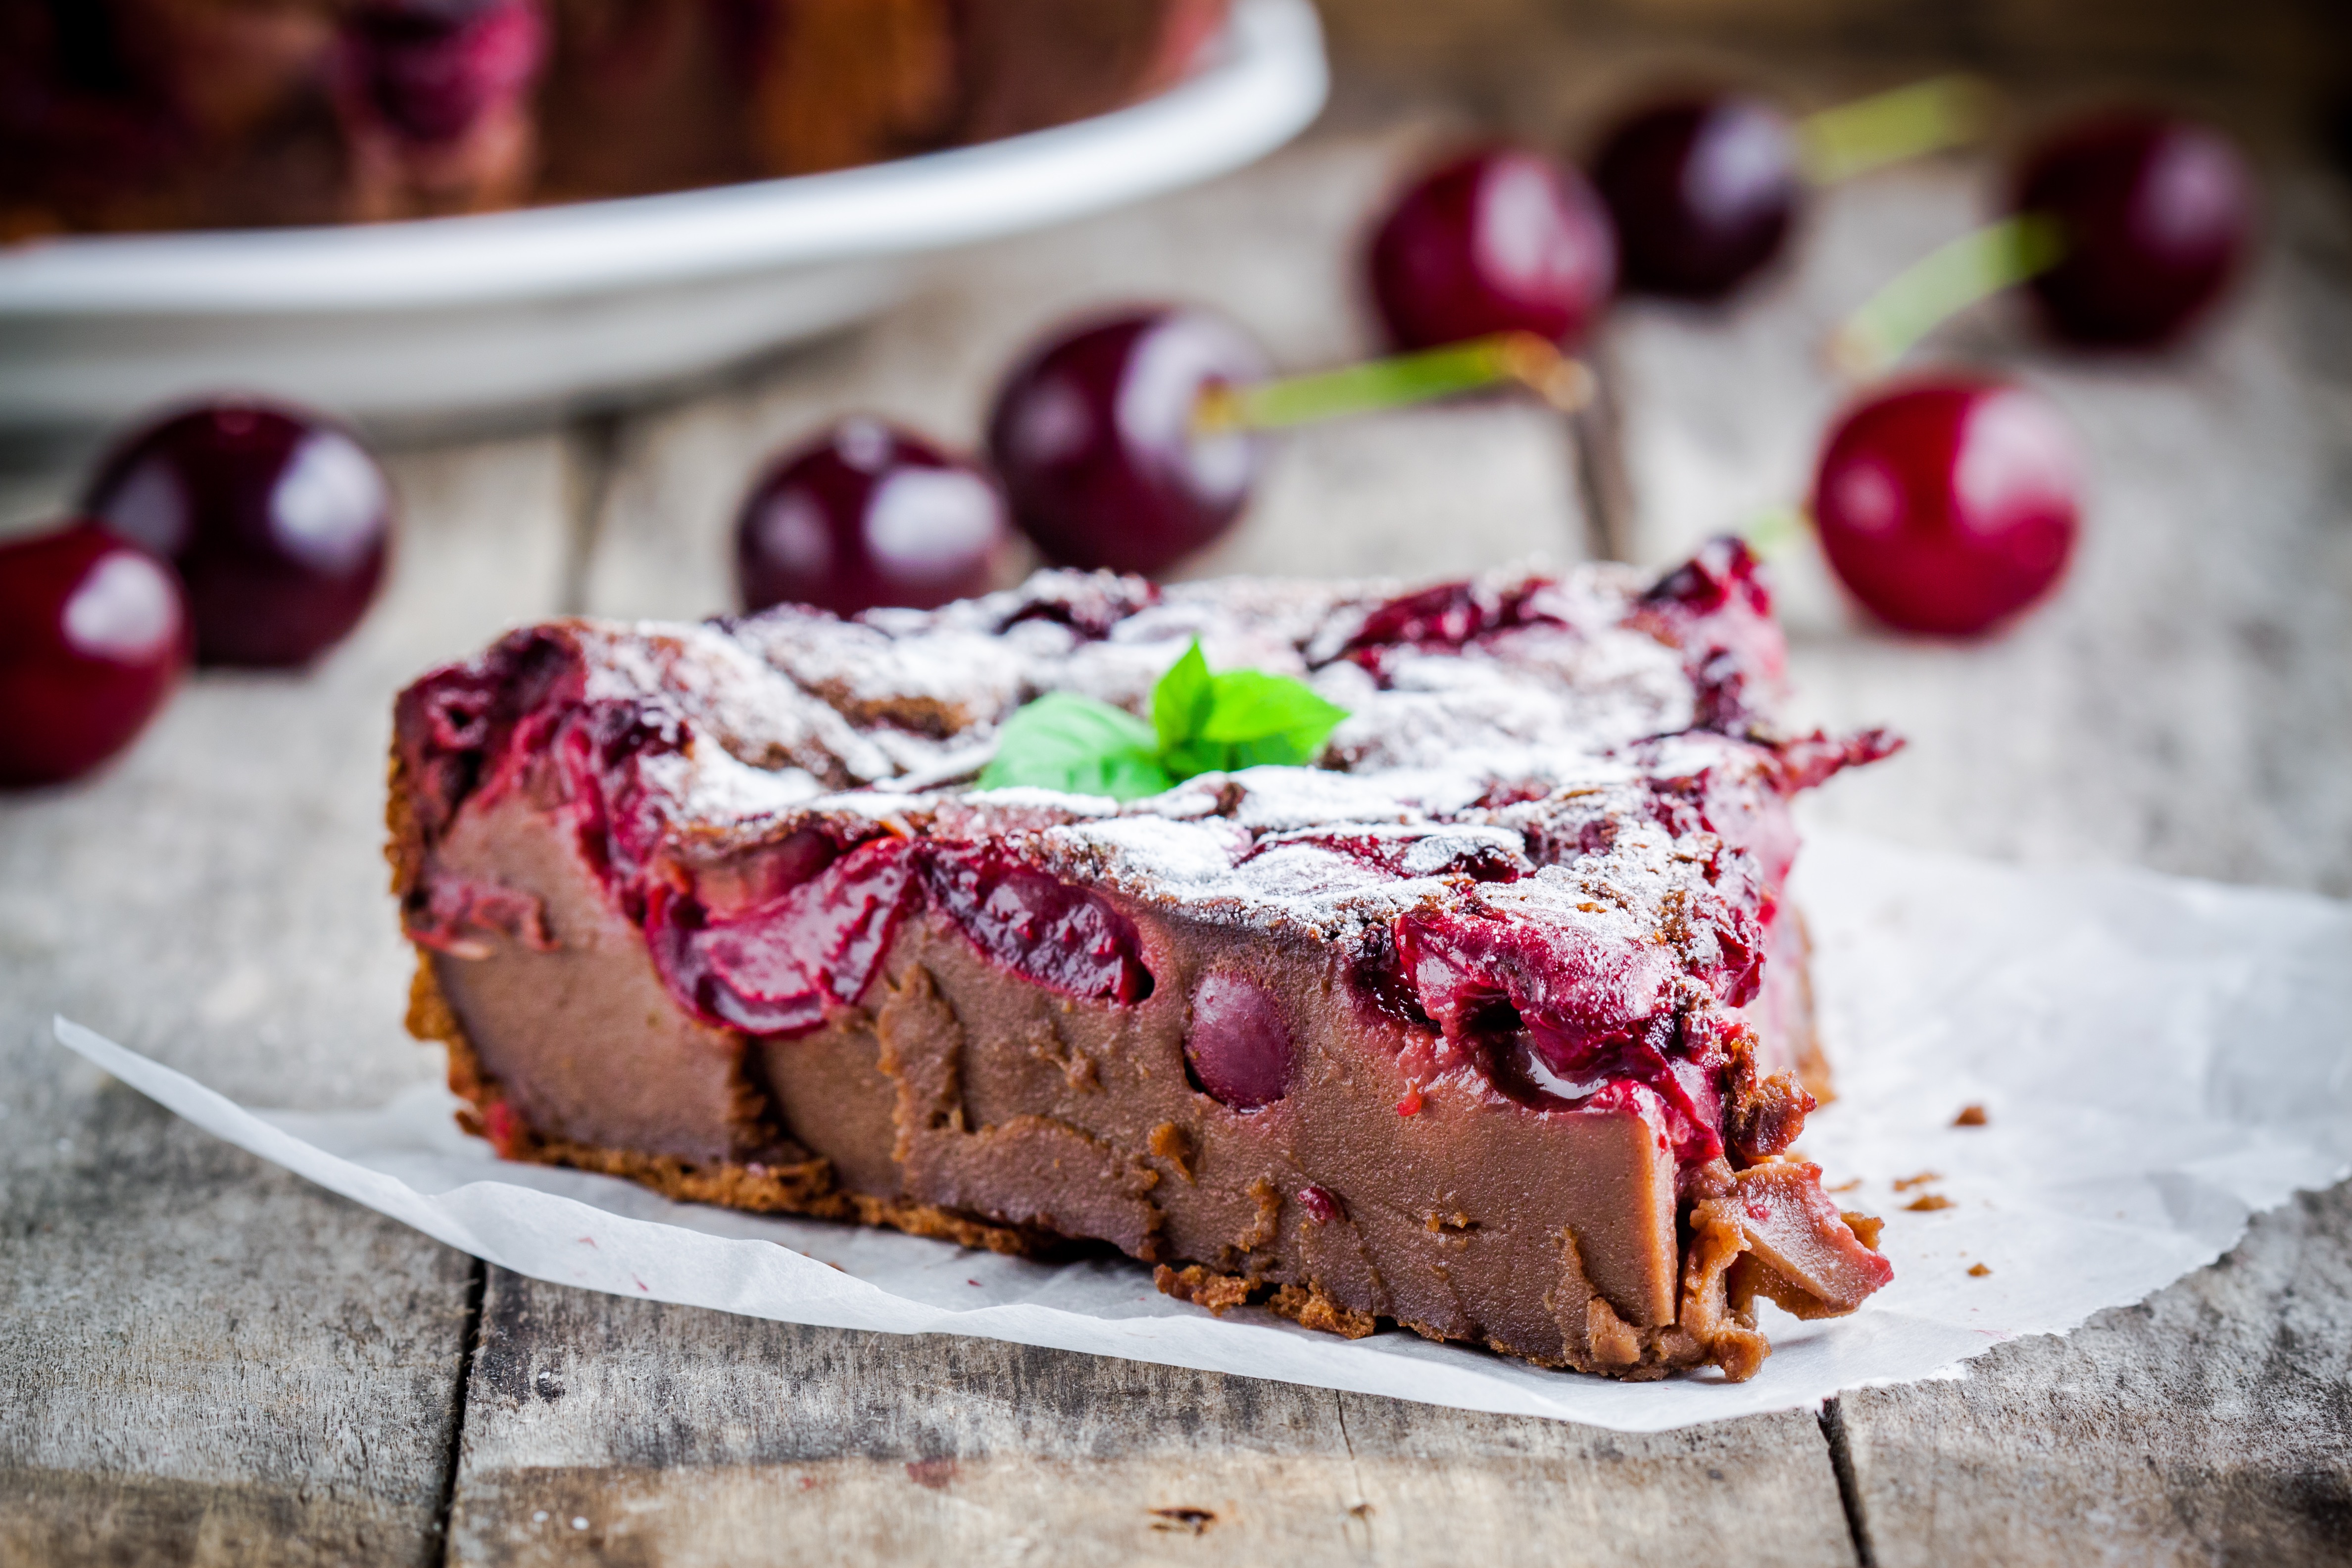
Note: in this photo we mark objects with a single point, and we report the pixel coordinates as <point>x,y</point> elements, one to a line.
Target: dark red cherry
<point>431,68</point>
<point>1093,439</point>
<point>1501,240</point>
<point>1702,192</point>
<point>2156,214</point>
<point>1237,1044</point>
<point>93,634</point>
<point>277,519</point>
<point>863,516</point>
<point>1949,505</point>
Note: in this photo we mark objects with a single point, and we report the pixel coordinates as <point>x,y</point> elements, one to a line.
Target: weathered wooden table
<point>204,1358</point>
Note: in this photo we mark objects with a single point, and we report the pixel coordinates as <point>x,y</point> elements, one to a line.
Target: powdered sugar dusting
<point>1497,726</point>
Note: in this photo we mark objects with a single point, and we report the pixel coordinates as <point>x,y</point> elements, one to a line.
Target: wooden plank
<point>1434,493</point>
<point>2212,1423</point>
<point>598,1427</point>
<point>200,1355</point>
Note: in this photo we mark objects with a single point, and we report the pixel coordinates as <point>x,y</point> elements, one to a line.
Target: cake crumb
<point>1928,1202</point>
<point>1168,1142</point>
<point>1969,1116</point>
<point>1978,1272</point>
<point>1905,1183</point>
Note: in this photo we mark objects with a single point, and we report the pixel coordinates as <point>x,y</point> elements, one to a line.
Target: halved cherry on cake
<point>93,636</point>
<point>1499,240</point>
<point>867,515</point>
<point>1948,505</point>
<point>1238,1046</point>
<point>279,521</point>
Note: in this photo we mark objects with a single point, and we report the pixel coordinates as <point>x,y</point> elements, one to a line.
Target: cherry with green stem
<point>1131,442</point>
<point>2126,228</point>
<point>1704,189</point>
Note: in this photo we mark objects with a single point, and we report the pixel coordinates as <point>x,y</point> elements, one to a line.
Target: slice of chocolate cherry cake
<point>1468,1025</point>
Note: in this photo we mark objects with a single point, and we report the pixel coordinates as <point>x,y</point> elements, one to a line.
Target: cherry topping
<point>1095,439</point>
<point>1501,240</point>
<point>774,967</point>
<point>864,516</point>
<point>1238,1046</point>
<point>1702,191</point>
<point>431,68</point>
<point>1947,505</point>
<point>1716,609</point>
<point>1038,926</point>
<point>2154,213</point>
<point>278,521</point>
<point>92,635</point>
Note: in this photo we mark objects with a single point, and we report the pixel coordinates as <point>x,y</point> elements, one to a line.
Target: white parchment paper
<point>2157,1059</point>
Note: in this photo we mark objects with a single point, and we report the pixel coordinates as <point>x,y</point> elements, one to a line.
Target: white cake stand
<point>423,320</point>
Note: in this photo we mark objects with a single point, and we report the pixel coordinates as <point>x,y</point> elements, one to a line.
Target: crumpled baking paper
<point>2157,1060</point>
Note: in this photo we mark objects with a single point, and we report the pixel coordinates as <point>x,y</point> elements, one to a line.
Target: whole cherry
<point>1702,191</point>
<point>867,515</point>
<point>1098,441</point>
<point>2153,215</point>
<point>1948,504</point>
<point>93,635</point>
<point>1498,240</point>
<point>279,521</point>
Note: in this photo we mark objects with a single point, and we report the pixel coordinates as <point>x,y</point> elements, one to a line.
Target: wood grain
<point>2211,1424</point>
<point>201,1356</point>
<point>597,1426</point>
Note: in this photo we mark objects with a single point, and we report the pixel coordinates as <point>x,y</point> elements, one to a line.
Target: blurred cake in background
<point>156,114</point>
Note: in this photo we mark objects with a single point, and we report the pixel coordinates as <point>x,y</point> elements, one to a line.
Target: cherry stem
<point>1940,285</point>
<point>1774,531</point>
<point>1954,111</point>
<point>1520,358</point>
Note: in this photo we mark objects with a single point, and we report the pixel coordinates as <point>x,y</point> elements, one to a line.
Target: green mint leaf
<point>1241,719</point>
<point>1197,757</point>
<point>1268,717</point>
<point>1065,741</point>
<point>1180,702</point>
<point>1201,723</point>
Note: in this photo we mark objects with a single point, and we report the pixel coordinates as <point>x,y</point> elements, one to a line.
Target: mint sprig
<point>1201,722</point>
